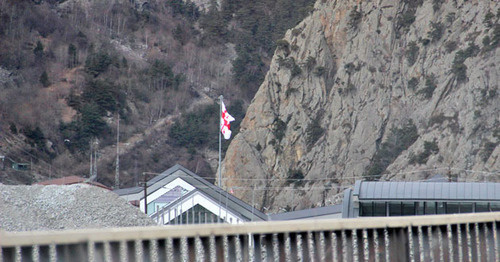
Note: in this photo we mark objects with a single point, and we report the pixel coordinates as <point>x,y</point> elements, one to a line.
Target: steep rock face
<point>387,89</point>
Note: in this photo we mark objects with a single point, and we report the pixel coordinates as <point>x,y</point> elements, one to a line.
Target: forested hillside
<point>75,76</point>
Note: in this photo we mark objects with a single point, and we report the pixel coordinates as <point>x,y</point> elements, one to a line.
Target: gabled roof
<point>70,180</point>
<point>308,213</point>
<point>454,191</point>
<point>201,184</point>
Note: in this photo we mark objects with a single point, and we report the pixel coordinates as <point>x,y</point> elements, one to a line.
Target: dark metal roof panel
<point>400,190</point>
<point>492,193</point>
<point>386,188</point>
<point>370,190</point>
<point>377,191</point>
<point>464,190</point>
<point>422,190</point>
<point>308,213</point>
<point>476,191</point>
<point>408,189</point>
<point>357,187</point>
<point>346,204</point>
<point>430,191</point>
<point>442,191</point>
<point>454,191</point>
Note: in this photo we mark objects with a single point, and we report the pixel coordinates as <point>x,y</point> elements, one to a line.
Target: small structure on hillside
<point>21,166</point>
<point>179,196</point>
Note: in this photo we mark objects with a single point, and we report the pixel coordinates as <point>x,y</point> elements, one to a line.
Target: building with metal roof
<point>370,198</point>
<point>179,196</point>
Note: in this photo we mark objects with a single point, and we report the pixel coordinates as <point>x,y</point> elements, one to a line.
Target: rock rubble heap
<point>53,207</point>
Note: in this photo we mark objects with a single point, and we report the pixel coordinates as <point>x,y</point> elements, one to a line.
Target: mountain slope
<point>69,69</point>
<point>376,89</point>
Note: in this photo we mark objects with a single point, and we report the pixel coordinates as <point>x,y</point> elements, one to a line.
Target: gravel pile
<point>26,208</point>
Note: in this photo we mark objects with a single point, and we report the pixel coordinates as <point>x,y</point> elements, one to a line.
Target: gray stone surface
<point>364,93</point>
<point>53,207</point>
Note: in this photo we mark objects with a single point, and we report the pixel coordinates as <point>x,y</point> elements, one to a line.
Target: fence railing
<point>461,237</point>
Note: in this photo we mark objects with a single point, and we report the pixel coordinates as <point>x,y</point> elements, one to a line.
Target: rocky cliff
<point>390,90</point>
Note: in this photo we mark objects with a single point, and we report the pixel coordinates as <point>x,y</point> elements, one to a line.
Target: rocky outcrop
<point>392,90</point>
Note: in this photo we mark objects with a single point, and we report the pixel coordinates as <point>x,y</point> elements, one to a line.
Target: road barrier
<point>460,237</point>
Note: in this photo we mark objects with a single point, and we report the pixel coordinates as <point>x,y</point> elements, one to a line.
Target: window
<point>379,209</point>
<point>395,209</point>
<point>366,209</point>
<point>465,207</point>
<point>494,206</point>
<point>430,208</point>
<point>482,207</point>
<point>408,208</point>
<point>441,207</point>
<point>420,208</point>
<point>452,208</point>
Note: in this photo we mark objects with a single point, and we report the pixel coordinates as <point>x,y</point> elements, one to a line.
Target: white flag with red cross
<point>225,121</point>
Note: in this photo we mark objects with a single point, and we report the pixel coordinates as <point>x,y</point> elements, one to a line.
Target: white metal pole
<point>220,148</point>
<point>220,141</point>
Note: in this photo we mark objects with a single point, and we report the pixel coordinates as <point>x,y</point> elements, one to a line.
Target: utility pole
<point>95,158</point>
<point>94,144</point>
<point>91,160</point>
<point>144,183</point>
<point>117,174</point>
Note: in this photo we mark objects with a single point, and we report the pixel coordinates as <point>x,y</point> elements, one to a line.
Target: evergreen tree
<point>44,79</point>
<point>38,51</point>
<point>72,56</point>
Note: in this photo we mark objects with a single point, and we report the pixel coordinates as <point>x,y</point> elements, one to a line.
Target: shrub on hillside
<point>430,86</point>
<point>35,137</point>
<point>437,30</point>
<point>282,44</point>
<point>279,129</point>
<point>355,18</point>
<point>198,128</point>
<point>450,46</point>
<point>398,141</point>
<point>459,69</point>
<point>97,63</point>
<point>44,79</point>
<point>413,83</point>
<point>488,148</point>
<point>412,54</point>
<point>107,96</point>
<point>295,177</point>
<point>319,71</point>
<point>89,124</point>
<point>488,19</point>
<point>313,132</point>
<point>430,148</point>
<point>38,50</point>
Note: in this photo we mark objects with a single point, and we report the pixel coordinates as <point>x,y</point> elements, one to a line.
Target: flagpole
<point>220,141</point>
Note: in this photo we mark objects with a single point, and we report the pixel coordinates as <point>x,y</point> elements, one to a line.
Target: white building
<point>179,196</point>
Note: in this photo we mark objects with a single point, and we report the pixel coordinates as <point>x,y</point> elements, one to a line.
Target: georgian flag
<point>225,121</point>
